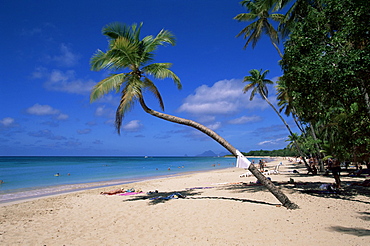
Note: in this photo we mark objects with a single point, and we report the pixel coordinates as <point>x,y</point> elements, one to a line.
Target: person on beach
<point>113,192</point>
<point>119,191</point>
<point>313,162</point>
<point>334,166</point>
<point>261,166</point>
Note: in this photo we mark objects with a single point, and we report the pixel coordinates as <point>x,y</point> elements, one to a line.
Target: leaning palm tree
<point>259,13</point>
<point>132,55</point>
<point>258,85</point>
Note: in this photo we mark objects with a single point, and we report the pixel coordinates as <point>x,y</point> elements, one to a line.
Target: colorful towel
<point>129,193</point>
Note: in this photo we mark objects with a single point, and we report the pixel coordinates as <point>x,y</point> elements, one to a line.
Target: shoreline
<point>31,193</point>
<point>217,207</point>
<point>45,192</point>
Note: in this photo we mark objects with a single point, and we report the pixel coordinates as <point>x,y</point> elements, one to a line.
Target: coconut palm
<point>285,103</point>
<point>133,55</point>
<point>259,13</point>
<point>258,85</point>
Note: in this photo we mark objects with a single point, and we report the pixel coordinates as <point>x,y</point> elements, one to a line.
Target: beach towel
<point>242,161</point>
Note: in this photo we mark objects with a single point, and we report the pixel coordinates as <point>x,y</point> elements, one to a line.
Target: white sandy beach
<point>218,211</point>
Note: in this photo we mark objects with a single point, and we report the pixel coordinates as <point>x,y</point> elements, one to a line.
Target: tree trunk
<point>366,96</point>
<point>277,48</point>
<point>266,182</point>
<point>317,148</point>
<point>290,131</point>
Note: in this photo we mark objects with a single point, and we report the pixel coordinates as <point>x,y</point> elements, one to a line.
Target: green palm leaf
<point>127,52</point>
<point>162,71</point>
<point>113,82</point>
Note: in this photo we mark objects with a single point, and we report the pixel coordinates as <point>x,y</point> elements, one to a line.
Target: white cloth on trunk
<point>241,160</point>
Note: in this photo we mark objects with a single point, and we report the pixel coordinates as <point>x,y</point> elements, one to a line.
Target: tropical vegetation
<point>132,56</point>
<point>326,62</point>
<point>286,152</point>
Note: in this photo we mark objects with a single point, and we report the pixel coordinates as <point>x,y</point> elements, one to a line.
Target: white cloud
<point>225,97</point>
<point>7,122</point>
<point>84,131</point>
<point>66,82</point>
<point>91,123</point>
<point>38,109</point>
<point>102,111</point>
<point>67,58</point>
<point>41,110</point>
<point>62,117</point>
<point>57,80</point>
<point>214,126</point>
<point>272,142</point>
<point>244,119</point>
<point>132,126</point>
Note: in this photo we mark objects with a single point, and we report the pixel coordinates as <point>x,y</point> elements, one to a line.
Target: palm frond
<point>117,29</point>
<point>247,87</point>
<point>245,17</point>
<point>124,52</point>
<point>113,82</point>
<point>162,71</point>
<point>149,85</point>
<point>163,37</point>
<point>253,93</point>
<point>271,32</point>
<point>130,94</point>
<point>98,61</point>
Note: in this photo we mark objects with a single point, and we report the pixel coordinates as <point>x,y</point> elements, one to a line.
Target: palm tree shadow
<point>365,216</point>
<point>235,199</point>
<point>359,232</point>
<point>162,197</point>
<point>349,192</point>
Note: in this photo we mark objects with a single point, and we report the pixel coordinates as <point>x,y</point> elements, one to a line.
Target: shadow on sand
<point>162,197</point>
<point>349,192</point>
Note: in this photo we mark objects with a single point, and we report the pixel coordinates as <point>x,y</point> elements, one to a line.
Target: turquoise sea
<point>28,177</point>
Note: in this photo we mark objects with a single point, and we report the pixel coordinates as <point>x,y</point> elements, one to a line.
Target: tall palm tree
<point>128,52</point>
<point>285,103</point>
<point>258,85</point>
<point>259,13</point>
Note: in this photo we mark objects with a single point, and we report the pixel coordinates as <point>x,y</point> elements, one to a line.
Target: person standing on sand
<point>262,168</point>
<point>334,166</point>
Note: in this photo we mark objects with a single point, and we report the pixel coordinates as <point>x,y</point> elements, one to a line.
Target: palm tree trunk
<point>366,96</point>
<point>277,48</point>
<point>299,125</point>
<point>266,182</point>
<point>290,131</point>
<point>317,148</point>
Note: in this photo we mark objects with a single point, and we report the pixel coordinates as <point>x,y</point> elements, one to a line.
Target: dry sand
<point>225,212</point>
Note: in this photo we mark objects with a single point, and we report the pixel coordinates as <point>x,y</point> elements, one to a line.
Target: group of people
<point>332,165</point>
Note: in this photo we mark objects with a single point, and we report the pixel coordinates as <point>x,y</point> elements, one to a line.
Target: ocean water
<point>28,177</point>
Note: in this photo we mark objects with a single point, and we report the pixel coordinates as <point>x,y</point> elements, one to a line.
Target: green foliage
<point>326,68</point>
<point>132,56</point>
<point>278,152</point>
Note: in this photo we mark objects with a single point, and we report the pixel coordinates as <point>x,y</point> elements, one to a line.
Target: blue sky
<point>46,79</point>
